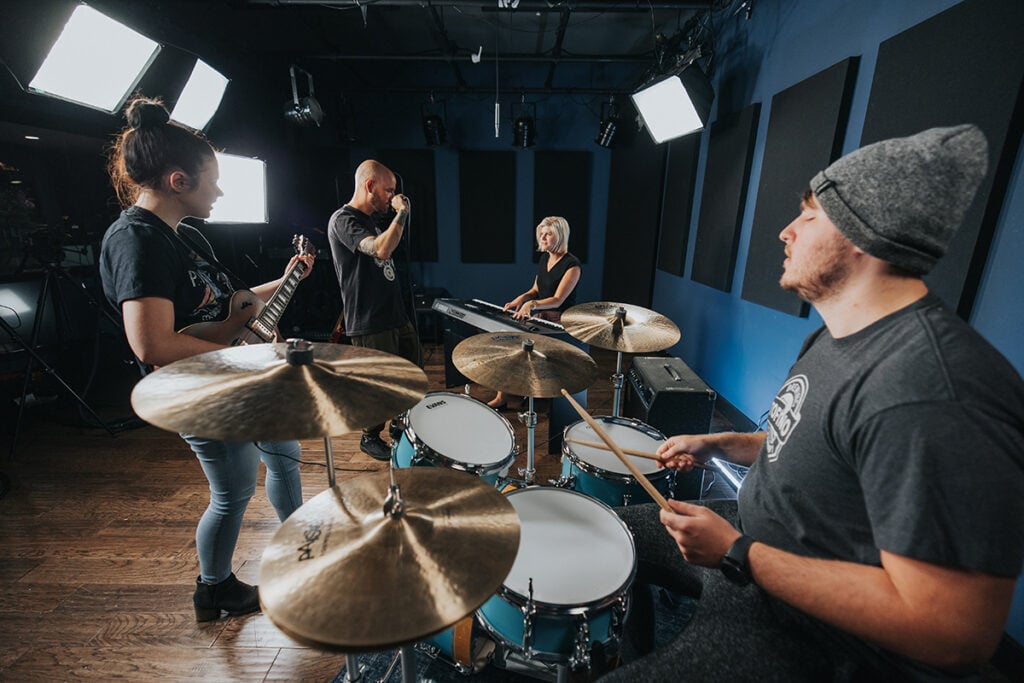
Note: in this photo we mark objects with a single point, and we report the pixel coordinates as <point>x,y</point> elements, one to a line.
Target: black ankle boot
<point>230,595</point>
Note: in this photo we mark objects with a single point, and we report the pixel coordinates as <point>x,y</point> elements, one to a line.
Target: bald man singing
<point>371,295</point>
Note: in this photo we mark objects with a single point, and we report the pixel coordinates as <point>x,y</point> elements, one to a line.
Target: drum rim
<point>422,449</point>
<point>517,599</point>
<point>601,473</point>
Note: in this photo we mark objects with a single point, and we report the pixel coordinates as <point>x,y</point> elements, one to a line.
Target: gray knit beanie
<point>902,199</point>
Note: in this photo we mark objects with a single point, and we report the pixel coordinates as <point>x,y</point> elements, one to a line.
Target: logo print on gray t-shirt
<point>784,415</point>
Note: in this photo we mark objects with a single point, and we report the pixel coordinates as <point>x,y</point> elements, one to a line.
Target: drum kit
<point>431,558</point>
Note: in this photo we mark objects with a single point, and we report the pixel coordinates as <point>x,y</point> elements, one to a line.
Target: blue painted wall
<point>744,350</point>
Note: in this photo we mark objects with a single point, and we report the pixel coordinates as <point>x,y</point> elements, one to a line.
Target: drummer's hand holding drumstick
<point>685,451</point>
<point>703,536</point>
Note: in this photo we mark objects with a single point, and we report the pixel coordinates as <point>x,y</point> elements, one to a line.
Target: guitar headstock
<point>302,246</point>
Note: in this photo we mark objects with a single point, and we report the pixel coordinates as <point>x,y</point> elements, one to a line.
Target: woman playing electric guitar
<point>154,275</point>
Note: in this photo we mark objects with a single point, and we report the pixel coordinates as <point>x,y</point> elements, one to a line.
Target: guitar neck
<point>271,313</point>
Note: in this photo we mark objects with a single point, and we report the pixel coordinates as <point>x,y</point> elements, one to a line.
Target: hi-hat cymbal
<point>620,327</point>
<point>270,392</point>
<point>343,574</point>
<point>524,364</point>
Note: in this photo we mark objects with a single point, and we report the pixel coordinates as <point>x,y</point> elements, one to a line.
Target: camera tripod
<point>50,289</point>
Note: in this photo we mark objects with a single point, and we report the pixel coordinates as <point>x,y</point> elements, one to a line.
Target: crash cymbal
<point>268,392</point>
<point>620,327</point>
<point>342,573</point>
<point>524,364</point>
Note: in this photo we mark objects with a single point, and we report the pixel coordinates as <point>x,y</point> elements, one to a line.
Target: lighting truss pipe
<point>524,5</point>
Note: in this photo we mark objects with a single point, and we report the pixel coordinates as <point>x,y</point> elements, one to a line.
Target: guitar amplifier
<point>669,396</point>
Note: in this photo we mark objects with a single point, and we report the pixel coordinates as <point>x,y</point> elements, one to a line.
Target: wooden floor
<point>97,546</point>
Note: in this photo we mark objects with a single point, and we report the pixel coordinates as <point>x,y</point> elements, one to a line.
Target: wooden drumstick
<point>630,451</point>
<point>637,474</point>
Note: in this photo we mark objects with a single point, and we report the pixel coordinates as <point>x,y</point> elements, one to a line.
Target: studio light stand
<point>50,287</point>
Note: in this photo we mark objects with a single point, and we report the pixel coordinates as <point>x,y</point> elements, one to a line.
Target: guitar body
<point>249,320</point>
<point>243,308</point>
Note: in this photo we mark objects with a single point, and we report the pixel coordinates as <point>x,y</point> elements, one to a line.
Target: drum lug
<point>618,616</point>
<point>580,657</point>
<point>564,482</point>
<point>529,612</point>
<point>626,499</point>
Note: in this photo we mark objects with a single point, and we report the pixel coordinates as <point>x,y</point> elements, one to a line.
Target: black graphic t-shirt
<point>371,295</point>
<point>142,257</point>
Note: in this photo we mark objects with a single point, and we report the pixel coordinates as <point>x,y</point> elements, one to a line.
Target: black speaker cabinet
<point>669,396</point>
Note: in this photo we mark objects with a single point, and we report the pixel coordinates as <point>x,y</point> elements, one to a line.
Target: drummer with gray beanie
<point>879,531</point>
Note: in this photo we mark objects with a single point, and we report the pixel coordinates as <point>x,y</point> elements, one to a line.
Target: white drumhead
<point>461,428</point>
<point>575,549</point>
<point>624,436</point>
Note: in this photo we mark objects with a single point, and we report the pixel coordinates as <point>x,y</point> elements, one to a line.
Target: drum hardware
<point>620,328</point>
<point>524,364</point>
<point>353,670</point>
<point>639,476</point>
<point>580,657</point>
<point>529,612</point>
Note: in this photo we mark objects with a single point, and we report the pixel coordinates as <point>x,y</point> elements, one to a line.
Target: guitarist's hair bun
<point>145,113</point>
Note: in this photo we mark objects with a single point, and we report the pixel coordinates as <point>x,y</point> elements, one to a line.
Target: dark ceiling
<point>596,47</point>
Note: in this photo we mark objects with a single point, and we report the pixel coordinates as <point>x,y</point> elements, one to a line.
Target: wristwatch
<point>734,564</point>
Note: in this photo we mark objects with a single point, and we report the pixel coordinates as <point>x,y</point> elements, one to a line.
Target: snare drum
<point>569,585</point>
<point>599,473</point>
<point>456,431</point>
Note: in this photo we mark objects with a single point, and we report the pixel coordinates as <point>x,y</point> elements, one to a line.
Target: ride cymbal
<point>620,327</point>
<point>343,573</point>
<point>270,392</point>
<point>524,364</point>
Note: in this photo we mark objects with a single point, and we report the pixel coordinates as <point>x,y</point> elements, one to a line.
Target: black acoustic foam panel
<point>631,239</point>
<point>677,202</point>
<point>964,65</point>
<point>414,171</point>
<point>725,190</point>
<point>561,187</point>
<point>487,201</point>
<point>805,134</point>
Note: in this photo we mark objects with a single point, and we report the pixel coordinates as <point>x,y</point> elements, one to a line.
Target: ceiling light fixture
<point>524,126</point>
<point>200,97</point>
<point>95,62</point>
<point>676,105</point>
<point>609,123</point>
<point>305,111</point>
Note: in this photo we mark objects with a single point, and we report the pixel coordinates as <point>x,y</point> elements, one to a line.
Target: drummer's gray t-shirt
<point>907,436</point>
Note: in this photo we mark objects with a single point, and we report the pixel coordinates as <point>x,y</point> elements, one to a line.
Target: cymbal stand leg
<point>353,674</point>
<point>391,667</point>
<point>329,452</point>
<point>563,674</point>
<point>408,664</point>
<point>529,418</point>
<point>617,382</point>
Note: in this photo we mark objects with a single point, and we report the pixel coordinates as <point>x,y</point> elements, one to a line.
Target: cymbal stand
<point>529,418</point>
<point>353,671</point>
<point>616,379</point>
<point>329,455</point>
<point>617,383</point>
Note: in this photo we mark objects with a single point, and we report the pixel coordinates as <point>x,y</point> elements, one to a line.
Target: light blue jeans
<point>231,467</point>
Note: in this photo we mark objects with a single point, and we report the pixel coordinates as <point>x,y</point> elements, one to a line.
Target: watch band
<point>735,564</point>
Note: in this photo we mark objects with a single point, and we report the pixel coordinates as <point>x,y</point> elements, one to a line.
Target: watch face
<point>734,571</point>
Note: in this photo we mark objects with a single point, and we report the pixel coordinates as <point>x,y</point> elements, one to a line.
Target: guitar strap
<point>236,282</point>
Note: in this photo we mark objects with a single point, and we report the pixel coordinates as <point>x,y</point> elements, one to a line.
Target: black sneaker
<point>374,447</point>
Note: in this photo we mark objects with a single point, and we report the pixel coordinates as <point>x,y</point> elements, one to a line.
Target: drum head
<point>576,550</point>
<point>461,428</point>
<point>625,434</point>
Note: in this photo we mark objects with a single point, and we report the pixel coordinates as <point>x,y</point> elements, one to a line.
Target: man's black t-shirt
<point>371,296</point>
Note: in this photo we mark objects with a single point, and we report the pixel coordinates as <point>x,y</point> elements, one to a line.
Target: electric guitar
<point>249,320</point>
